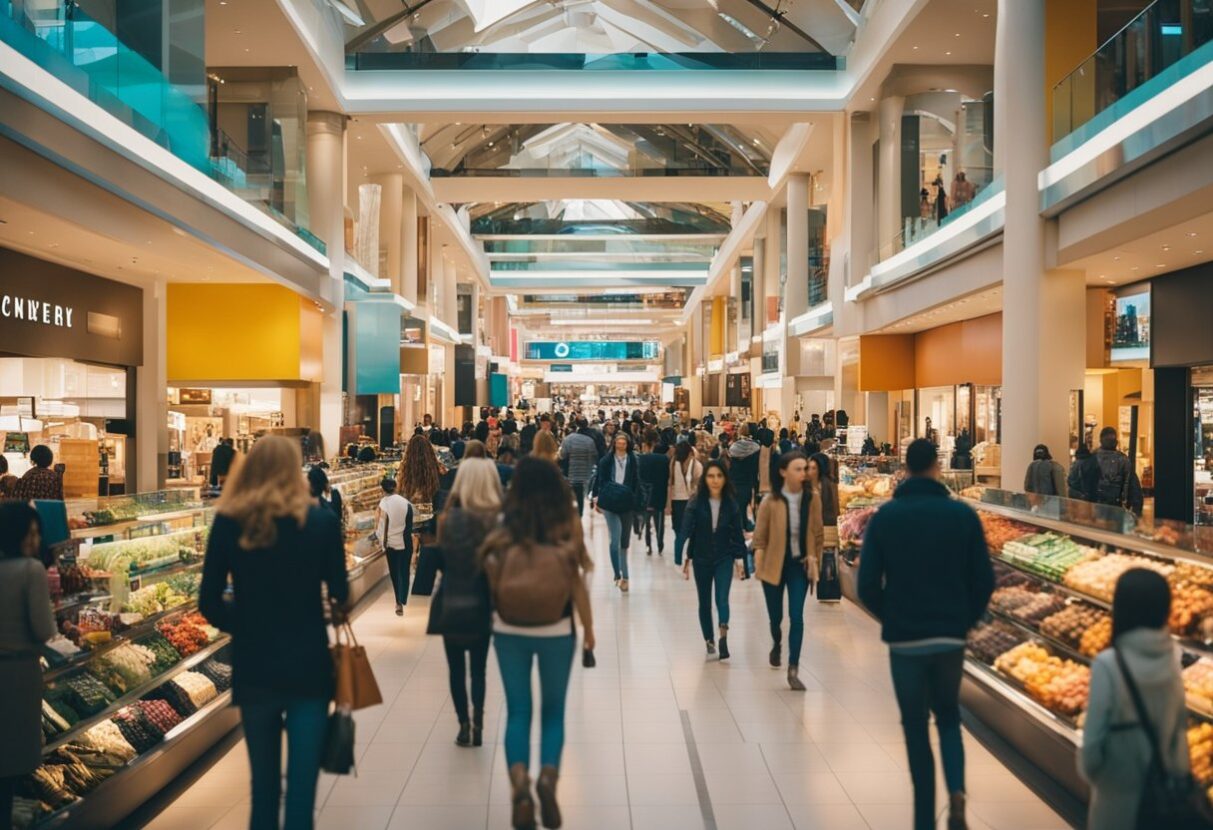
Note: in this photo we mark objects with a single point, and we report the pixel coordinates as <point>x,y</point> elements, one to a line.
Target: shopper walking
<point>1118,484</point>
<point>460,610</point>
<point>654,466</point>
<point>1118,744</point>
<point>8,481</point>
<point>581,453</point>
<point>1045,476</point>
<point>546,446</point>
<point>222,458</point>
<point>925,573</point>
<point>420,479</point>
<point>324,494</point>
<point>1083,480</point>
<point>743,455</point>
<point>615,495</point>
<point>784,558</point>
<point>395,530</point>
<point>278,548</point>
<point>26,622</point>
<point>685,473</point>
<point>714,540</point>
<point>39,481</point>
<point>535,564</point>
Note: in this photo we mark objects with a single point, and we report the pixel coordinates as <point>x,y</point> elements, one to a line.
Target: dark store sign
<point>48,310</point>
<point>737,389</point>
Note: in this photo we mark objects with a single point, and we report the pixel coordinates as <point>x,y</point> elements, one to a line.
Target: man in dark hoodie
<point>925,573</point>
<point>1118,483</point>
<point>743,471</point>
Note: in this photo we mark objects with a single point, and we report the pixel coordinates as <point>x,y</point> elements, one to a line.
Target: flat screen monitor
<point>1131,327</point>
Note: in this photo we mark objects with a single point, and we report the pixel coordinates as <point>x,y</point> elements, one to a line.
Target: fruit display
<point>1193,574</point>
<point>1039,607</point>
<point>1059,685</point>
<point>1007,600</point>
<point>865,486</point>
<point>1000,530</point>
<point>1190,606</point>
<point>852,524</point>
<point>1200,751</point>
<point>185,635</point>
<point>1072,622</point>
<point>1050,555</point>
<point>148,552</point>
<point>973,492</point>
<point>1198,685</point>
<point>1096,638</point>
<point>154,599</point>
<point>987,642</point>
<point>1098,577</point>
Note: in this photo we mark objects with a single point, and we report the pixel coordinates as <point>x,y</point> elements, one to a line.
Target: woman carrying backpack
<point>712,528</point>
<point>535,563</point>
<point>616,495</point>
<point>460,611</point>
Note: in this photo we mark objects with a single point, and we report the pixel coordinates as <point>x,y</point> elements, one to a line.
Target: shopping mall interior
<point>872,221</point>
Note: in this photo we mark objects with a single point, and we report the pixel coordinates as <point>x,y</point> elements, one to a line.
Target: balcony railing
<point>628,62</point>
<point>915,229</point>
<point>1168,40</point>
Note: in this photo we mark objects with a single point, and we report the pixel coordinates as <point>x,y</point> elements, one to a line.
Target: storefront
<point>943,384</point>
<point>70,343</point>
<point>242,361</point>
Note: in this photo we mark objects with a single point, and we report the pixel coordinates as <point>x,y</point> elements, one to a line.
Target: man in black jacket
<point>655,481</point>
<point>925,573</point>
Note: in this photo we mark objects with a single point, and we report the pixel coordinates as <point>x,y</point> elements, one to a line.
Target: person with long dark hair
<point>535,562</point>
<point>460,611</point>
<point>685,473</point>
<point>279,549</point>
<point>784,558</point>
<point>712,531</point>
<point>26,622</point>
<point>615,495</point>
<point>1117,749</point>
<point>324,493</point>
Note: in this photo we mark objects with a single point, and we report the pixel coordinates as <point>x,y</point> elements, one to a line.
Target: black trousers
<point>654,522</point>
<point>579,493</point>
<point>477,652</point>
<point>399,564</point>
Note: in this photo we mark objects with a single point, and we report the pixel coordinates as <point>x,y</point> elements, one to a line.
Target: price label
<point>136,581</point>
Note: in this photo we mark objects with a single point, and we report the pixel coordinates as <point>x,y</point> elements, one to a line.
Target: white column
<point>757,284</point>
<point>390,216</point>
<point>861,222</point>
<point>797,300</point>
<point>889,189</point>
<point>1043,352</point>
<point>408,245</point>
<point>151,396</point>
<point>326,187</point>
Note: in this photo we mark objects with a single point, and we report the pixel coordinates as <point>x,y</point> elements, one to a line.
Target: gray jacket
<point>1045,477</point>
<point>1115,751</point>
<point>582,454</point>
<point>26,622</point>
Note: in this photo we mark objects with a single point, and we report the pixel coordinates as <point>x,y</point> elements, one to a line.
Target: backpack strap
<point>1140,706</point>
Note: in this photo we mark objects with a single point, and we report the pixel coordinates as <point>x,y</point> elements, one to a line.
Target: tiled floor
<point>830,758</point>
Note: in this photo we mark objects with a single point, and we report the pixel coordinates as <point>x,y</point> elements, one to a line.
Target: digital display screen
<point>1131,328</point>
<point>594,350</point>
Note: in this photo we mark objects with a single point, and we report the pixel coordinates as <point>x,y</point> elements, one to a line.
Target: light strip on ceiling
<point>603,322</point>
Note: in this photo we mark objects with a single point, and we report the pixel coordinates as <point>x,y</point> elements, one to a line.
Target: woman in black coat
<point>461,611</point>
<point>618,467</point>
<point>711,529</point>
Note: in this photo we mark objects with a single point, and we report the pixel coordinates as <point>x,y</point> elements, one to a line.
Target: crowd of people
<point>505,525</point>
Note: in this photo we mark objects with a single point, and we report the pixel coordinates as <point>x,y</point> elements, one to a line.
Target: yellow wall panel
<point>237,333</point>
<point>717,341</point>
<point>1071,29</point>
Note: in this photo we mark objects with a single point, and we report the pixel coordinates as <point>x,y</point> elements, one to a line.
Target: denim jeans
<point>515,656</point>
<point>399,564</point>
<point>458,669</point>
<point>720,572</point>
<point>926,683</point>
<point>306,722</point>
<point>619,525</point>
<point>678,509</point>
<point>796,581</point>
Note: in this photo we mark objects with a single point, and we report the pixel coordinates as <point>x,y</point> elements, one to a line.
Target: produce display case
<point>1056,563</point>
<point>136,681</point>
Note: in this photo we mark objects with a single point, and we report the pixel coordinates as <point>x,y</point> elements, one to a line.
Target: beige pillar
<point>391,235</point>
<point>889,173</point>
<point>408,245</point>
<point>151,397</point>
<point>862,211</point>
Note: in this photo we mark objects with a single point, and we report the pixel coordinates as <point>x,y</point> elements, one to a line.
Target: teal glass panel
<point>499,390</point>
<point>376,350</point>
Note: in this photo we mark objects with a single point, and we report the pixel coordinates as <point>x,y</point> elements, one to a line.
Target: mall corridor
<point>657,737</point>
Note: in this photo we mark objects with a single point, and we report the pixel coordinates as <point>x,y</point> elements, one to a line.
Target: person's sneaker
<point>623,585</point>
<point>773,657</point>
<point>794,681</point>
<point>956,812</point>
<point>711,647</point>
<point>650,552</point>
<point>724,648</point>
<point>399,610</point>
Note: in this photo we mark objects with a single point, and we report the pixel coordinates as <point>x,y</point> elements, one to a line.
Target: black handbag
<point>829,588</point>
<point>427,572</point>
<point>616,498</point>
<point>338,756</point>
<point>1167,799</point>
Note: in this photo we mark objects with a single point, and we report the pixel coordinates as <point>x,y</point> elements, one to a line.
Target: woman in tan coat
<point>788,539</point>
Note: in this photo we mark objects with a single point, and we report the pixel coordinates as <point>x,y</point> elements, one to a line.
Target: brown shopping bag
<point>356,687</point>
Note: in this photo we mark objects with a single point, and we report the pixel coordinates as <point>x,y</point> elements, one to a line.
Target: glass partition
<point>1167,41</point>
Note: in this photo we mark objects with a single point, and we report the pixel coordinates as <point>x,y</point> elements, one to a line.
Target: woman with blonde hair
<point>461,612</point>
<point>545,446</point>
<point>278,547</point>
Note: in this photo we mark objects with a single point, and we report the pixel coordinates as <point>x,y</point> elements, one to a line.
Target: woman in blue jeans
<point>619,471</point>
<point>277,547</point>
<point>535,562</point>
<point>784,552</point>
<point>711,529</point>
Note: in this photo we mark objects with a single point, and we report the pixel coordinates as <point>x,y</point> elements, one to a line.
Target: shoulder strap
<point>1140,706</point>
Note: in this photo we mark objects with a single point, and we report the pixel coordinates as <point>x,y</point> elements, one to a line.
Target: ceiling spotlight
<point>1192,233</point>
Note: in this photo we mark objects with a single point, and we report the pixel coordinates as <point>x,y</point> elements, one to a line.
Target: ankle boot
<point>524,804</point>
<point>545,789</point>
<point>464,738</point>
<point>773,657</point>
<point>794,679</point>
<point>956,812</point>
<point>478,727</point>
<point>724,642</point>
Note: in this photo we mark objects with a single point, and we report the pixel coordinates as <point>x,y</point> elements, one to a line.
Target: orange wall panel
<point>886,362</point>
<point>966,352</point>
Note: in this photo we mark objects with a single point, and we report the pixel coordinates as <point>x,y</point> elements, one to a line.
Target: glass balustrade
<point>916,229</point>
<point>568,61</point>
<point>1167,41</point>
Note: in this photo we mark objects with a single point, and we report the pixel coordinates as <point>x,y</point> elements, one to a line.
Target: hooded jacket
<point>925,568</point>
<point>743,462</point>
<point>1115,752</point>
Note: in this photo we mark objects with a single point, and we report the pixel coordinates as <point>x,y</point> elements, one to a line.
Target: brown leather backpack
<point>532,584</point>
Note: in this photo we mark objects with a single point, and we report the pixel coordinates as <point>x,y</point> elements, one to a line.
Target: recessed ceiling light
<point>237,31</point>
<point>1161,265</point>
<point>1116,259</point>
<point>1193,233</point>
<point>1199,251</point>
<point>1134,268</point>
<point>947,53</point>
<point>249,50</point>
<point>915,48</point>
<point>958,34</point>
